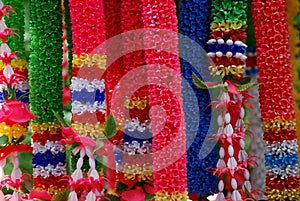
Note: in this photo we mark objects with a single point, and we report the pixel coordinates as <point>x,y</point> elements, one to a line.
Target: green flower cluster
<point>229,10</point>
<point>16,20</point>
<point>45,66</point>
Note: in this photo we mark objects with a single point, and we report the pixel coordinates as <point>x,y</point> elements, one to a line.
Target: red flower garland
<point>276,96</point>
<point>169,179</point>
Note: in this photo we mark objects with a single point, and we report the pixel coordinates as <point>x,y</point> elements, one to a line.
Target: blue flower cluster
<point>138,136</point>
<point>43,159</point>
<point>88,97</point>
<point>285,160</point>
<point>224,48</point>
<point>195,23</point>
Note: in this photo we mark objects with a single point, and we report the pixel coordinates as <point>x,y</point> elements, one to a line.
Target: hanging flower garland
<point>16,22</point>
<point>170,181</point>
<point>195,22</point>
<point>88,92</point>
<point>136,176</point>
<point>45,98</point>
<point>227,52</point>
<point>14,114</point>
<point>278,114</point>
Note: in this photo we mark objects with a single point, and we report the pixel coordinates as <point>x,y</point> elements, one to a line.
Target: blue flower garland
<point>195,23</point>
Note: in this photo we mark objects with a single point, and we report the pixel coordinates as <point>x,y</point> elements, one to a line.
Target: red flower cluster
<point>86,24</point>
<point>273,59</point>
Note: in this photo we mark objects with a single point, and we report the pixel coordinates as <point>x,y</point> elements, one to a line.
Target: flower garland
<point>195,22</point>
<point>227,51</point>
<point>14,114</point>
<point>135,143</point>
<point>88,90</point>
<point>278,114</point>
<point>16,21</point>
<point>170,181</point>
<point>46,92</point>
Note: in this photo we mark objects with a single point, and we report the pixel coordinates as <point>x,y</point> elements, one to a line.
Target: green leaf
<point>60,119</point>
<point>99,145</point>
<point>249,194</point>
<point>245,80</point>
<point>120,187</point>
<point>216,86</point>
<point>62,196</point>
<point>247,86</point>
<point>111,197</point>
<point>3,140</point>
<point>149,197</point>
<point>198,82</point>
<point>110,127</point>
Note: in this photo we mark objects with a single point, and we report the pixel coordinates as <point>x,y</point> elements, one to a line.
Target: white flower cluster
<point>54,147</point>
<point>283,172</point>
<point>79,84</point>
<point>282,148</point>
<point>135,147</point>
<point>135,124</point>
<point>79,108</point>
<point>45,172</point>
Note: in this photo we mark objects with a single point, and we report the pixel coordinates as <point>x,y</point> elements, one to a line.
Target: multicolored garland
<point>276,98</point>
<point>16,24</point>
<point>195,23</point>
<point>88,92</point>
<point>135,175</point>
<point>14,115</point>
<point>46,95</point>
<point>227,52</point>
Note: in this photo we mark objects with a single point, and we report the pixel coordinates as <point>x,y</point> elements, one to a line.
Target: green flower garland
<point>45,60</point>
<point>45,73</point>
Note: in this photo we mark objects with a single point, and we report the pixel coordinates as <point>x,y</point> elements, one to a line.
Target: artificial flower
<point>14,111</point>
